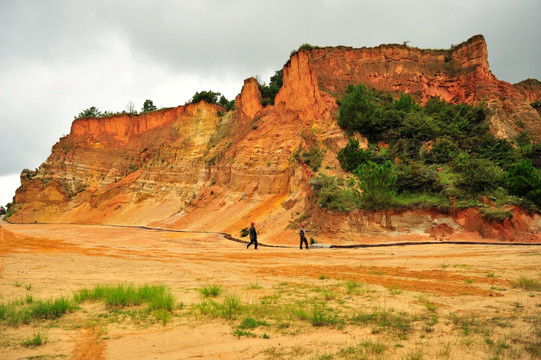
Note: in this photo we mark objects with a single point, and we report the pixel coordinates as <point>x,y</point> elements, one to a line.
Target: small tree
<point>148,106</point>
<point>524,179</point>
<point>477,174</point>
<point>229,105</point>
<point>377,183</point>
<point>351,156</point>
<point>90,112</point>
<point>269,92</point>
<point>209,96</point>
<point>130,108</point>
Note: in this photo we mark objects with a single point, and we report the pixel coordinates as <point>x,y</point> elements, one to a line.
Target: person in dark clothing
<point>253,237</point>
<point>302,234</point>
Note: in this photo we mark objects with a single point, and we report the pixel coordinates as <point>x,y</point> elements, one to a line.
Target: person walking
<point>302,234</point>
<point>253,237</point>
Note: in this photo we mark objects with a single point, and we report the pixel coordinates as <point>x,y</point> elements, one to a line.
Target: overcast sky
<point>58,58</point>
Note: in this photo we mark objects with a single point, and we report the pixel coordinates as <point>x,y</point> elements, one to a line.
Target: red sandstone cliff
<point>189,167</point>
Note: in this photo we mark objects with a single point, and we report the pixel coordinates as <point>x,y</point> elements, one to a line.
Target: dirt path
<point>49,261</point>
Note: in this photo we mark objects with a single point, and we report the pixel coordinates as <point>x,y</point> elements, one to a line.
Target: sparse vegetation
<point>37,339</point>
<point>210,290</point>
<point>527,284</point>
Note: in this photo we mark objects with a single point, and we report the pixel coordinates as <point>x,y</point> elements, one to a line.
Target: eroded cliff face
<point>461,74</point>
<point>531,88</point>
<point>192,167</point>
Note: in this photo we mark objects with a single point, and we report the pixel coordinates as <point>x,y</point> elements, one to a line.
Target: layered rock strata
<point>199,167</point>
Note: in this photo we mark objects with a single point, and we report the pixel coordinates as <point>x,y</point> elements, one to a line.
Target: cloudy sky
<point>58,57</point>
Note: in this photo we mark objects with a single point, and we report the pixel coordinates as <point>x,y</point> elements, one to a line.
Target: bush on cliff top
<point>213,97</point>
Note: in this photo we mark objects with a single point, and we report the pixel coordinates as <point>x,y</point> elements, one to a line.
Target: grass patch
<point>527,284</point>
<point>210,290</point>
<point>385,320</point>
<point>363,350</point>
<point>353,287</point>
<point>251,323</point>
<point>322,316</point>
<point>159,299</point>
<point>255,286</point>
<point>51,309</point>
<point>228,309</point>
<point>37,339</point>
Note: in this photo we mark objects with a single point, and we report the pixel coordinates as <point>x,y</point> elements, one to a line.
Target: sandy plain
<point>401,302</point>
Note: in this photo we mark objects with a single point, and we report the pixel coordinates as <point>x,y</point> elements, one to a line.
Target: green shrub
<point>499,151</point>
<point>148,106</point>
<point>413,177</point>
<point>497,215</point>
<point>358,110</point>
<point>269,92</point>
<point>313,158</point>
<point>377,183</point>
<point>90,112</point>
<point>351,156</point>
<point>443,152</point>
<point>477,174</point>
<point>334,195</point>
<point>524,179</point>
<point>228,104</point>
<point>207,95</point>
<point>244,232</point>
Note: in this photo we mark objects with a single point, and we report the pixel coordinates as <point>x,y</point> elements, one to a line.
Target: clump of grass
<point>363,350</point>
<point>323,277</point>
<point>255,286</point>
<point>416,354</point>
<point>426,302</point>
<point>210,290</point>
<point>51,309</point>
<point>527,284</point>
<point>329,294</point>
<point>123,295</point>
<point>321,316</point>
<point>251,323</point>
<point>162,315</point>
<point>227,309</point>
<point>385,320</point>
<point>353,287</point>
<point>239,332</point>
<point>394,290</point>
<point>37,339</point>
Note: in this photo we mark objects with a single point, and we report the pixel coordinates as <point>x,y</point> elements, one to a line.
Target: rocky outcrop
<point>531,88</point>
<point>460,74</point>
<point>200,167</point>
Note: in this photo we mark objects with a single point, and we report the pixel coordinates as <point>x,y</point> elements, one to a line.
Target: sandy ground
<point>461,302</point>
